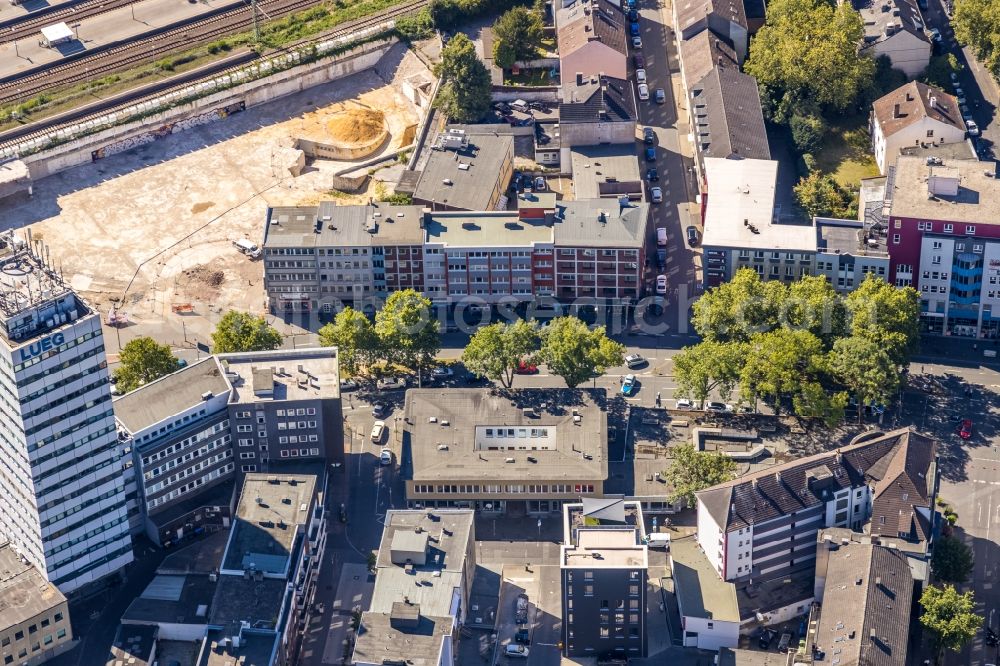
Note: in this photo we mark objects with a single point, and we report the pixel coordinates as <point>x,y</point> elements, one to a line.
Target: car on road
<point>636,42</point>
<point>661,285</point>
<point>634,361</point>
<point>526,368</point>
<point>971,127</point>
<point>633,15</point>
<point>643,91</point>
<point>378,431</point>
<point>692,235</point>
<point>348,385</point>
<point>661,96</point>
<point>472,378</point>
<point>765,638</point>
<point>629,385</point>
<point>661,258</point>
<point>540,185</point>
<point>515,651</point>
<point>648,136</point>
<point>391,383</point>
<point>385,457</point>
<point>961,99</point>
<point>656,194</point>
<point>954,78</point>
<point>442,371</point>
<point>718,407</point>
<point>379,410</point>
<point>633,28</point>
<point>640,76</point>
<point>650,154</point>
<point>639,60</point>
<point>686,403</point>
<point>934,34</point>
<point>965,430</point>
<point>521,609</point>
<point>652,175</point>
<point>522,636</point>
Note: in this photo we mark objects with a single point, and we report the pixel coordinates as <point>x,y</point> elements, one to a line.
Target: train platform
<point>11,12</point>
<point>113,26</point>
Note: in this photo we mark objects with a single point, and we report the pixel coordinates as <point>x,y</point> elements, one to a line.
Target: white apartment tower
<point>62,480</point>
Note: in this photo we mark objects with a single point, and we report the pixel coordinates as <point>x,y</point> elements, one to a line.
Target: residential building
<point>285,406</point>
<point>940,222</point>
<point>710,617</point>
<point>895,28</point>
<point>178,429</point>
<point>608,171</point>
<point>592,38</point>
<point>604,562</point>
<point>62,475</point>
<point>34,615</point>
<point>848,251</point>
<point>864,594</point>
<point>423,581</point>
<point>726,18</point>
<point>735,657</point>
<point>527,452</point>
<point>596,109</point>
<point>914,114</point>
<point>764,524</point>
<point>465,172</point>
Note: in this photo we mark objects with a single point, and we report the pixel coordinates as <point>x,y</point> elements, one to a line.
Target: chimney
<point>425,216</point>
<point>895,111</point>
<point>579,78</point>
<point>933,102</point>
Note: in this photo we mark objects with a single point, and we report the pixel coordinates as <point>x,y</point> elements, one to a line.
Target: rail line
<point>29,25</point>
<point>231,63</point>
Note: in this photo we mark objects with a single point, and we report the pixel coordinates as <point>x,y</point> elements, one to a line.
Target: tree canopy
<point>707,367</point>
<point>952,561</point>
<point>516,36</point>
<point>692,470</point>
<point>576,353</point>
<point>735,310</point>
<point>950,617</point>
<point>977,25</point>
<point>142,360</point>
<point>495,351</point>
<point>465,93</point>
<point>887,315</point>
<point>807,51</point>
<point>820,195</point>
<point>865,370</point>
<point>408,333</point>
<point>353,335</point>
<point>244,332</point>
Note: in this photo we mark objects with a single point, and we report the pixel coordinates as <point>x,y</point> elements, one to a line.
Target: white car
<point>389,383</point>
<point>634,360</point>
<point>643,91</point>
<point>442,372</point>
<point>685,403</point>
<point>378,431</point>
<point>661,284</point>
<point>385,457</point>
<point>515,651</point>
<point>348,385</point>
<point>719,407</point>
<point>637,42</point>
<point>640,76</point>
<point>656,194</point>
<point>972,127</point>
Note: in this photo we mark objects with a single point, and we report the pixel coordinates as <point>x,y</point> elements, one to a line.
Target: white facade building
<point>62,480</point>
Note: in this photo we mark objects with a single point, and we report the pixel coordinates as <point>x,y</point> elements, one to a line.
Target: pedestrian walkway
<point>115,26</point>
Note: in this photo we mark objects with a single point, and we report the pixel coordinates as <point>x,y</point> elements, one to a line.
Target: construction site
<point>146,236</point>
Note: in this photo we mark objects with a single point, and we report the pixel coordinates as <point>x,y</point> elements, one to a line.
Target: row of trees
<point>977,25</point>
<point>802,344</point>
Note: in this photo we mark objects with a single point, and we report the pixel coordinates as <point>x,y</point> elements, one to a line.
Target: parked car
<point>685,403</point>
<point>378,431</point>
<point>540,185</point>
<point>656,195</point>
<point>633,28</point>
<point>472,378</point>
<point>639,60</point>
<point>515,182</point>
<point>765,638</point>
<point>661,285</point>
<point>515,651</point>
<point>661,258</point>
<point>692,234</point>
<point>954,78</point>
<point>520,105</point>
<point>934,34</point>
<point>784,642</point>
<point>652,175</point>
<point>640,75</point>
<point>648,136</point>
<point>348,385</point>
<point>629,385</point>
<point>526,368</point>
<point>634,361</point>
<point>633,15</point>
<point>522,636</point>
<point>385,457</point>
<point>650,154</point>
<point>718,407</point>
<point>442,371</point>
<point>661,96</point>
<point>521,609</point>
<point>391,383</point>
<point>661,236</point>
<point>965,430</point>
<point>637,42</point>
<point>379,410</point>
<point>539,106</point>
<point>643,91</point>
<point>972,127</point>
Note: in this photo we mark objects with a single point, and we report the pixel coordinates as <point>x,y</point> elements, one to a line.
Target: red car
<point>965,431</point>
<point>526,368</point>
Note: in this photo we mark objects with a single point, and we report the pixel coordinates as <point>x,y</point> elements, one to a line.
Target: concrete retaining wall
<point>207,109</point>
<point>533,94</point>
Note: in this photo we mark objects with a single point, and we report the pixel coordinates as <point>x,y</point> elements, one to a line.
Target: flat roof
<point>700,591</point>
<point>379,642</point>
<point>472,173</point>
<point>256,649</point>
<point>271,510</point>
<point>593,165</point>
<point>331,225</point>
<point>605,547</point>
<point>443,429</point>
<point>849,237</point>
<point>449,533</point>
<point>24,592</point>
<point>732,657</point>
<point>432,591</point>
<point>978,196</point>
<point>170,395</point>
<point>739,211</point>
<point>487,229</point>
<point>319,376</point>
<point>172,598</point>
<point>133,645</point>
<point>239,599</point>
<point>56,32</point>
<point>177,653</point>
<point>203,556</point>
<point>601,223</point>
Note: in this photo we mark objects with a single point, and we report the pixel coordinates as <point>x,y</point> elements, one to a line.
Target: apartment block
<point>913,115</point>
<point>895,29</point>
<point>604,566</point>
<point>423,581</point>
<point>708,605</point>
<point>34,615</point>
<point>62,472</point>
<point>465,172</point>
<point>527,452</point>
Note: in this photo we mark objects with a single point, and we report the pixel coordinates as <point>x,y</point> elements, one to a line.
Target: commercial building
<point>604,565</point>
<point>895,28</point>
<point>423,581</point>
<point>709,611</point>
<point>848,251</point>
<point>62,472</point>
<point>596,109</point>
<point>764,524</point>
<point>527,452</point>
<point>34,615</point>
<point>179,431</point>
<point>608,171</point>
<point>939,218</point>
<point>465,172</point>
<point>591,36</point>
<point>914,114</point>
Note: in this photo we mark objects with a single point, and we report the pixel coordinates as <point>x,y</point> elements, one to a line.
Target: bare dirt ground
<point>152,229</point>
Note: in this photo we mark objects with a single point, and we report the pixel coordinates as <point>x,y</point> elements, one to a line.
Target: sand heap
<point>356,126</point>
<point>342,132</point>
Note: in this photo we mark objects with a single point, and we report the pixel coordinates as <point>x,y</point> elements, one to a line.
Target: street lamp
<point>539,528</point>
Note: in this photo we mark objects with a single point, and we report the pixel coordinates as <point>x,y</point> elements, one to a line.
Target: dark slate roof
<point>896,465</point>
<point>588,100</point>
<point>731,122</point>
<point>691,12</point>
<point>603,22</point>
<point>704,52</point>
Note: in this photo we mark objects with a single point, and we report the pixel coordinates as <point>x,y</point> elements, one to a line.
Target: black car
<point>648,136</point>
<point>765,638</point>
<point>633,15</point>
<point>652,175</point>
<point>472,378</point>
<point>692,235</point>
<point>661,258</point>
<point>522,636</point>
<point>639,61</point>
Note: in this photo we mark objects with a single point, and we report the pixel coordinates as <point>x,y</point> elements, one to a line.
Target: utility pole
<point>256,21</point>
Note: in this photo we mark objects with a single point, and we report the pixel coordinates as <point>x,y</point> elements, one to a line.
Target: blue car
<point>629,385</point>
<point>634,28</point>
<point>650,154</point>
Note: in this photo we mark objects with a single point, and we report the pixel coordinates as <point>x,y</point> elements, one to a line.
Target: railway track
<point>231,63</point>
<point>29,25</point>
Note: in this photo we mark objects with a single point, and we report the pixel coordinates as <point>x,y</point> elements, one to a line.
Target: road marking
<point>988,521</point>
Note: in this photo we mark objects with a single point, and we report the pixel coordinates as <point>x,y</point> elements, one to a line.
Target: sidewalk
<point>949,350</point>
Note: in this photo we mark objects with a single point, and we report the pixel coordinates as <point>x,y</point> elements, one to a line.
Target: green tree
<point>353,335</point>
<point>887,315</point>
<point>814,401</point>
<point>807,131</point>
<point>445,13</point>
<point>977,25</point>
<point>866,370</point>
<point>243,332</point>
<point>737,309</point>
<point>814,305</point>
<point>576,353</point>
<point>407,332</point>
<point>940,69</point>
<point>516,36</point>
<point>142,360</point>
<point>779,363</point>
<point>808,51</point>
<point>950,617</point>
<point>952,561</point>
<point>692,470</point>
<point>496,350</point>
<point>464,95</point>
<point>820,195</point>
<point>707,366</point>
<point>886,79</point>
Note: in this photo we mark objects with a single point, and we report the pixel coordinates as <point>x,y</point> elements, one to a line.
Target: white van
<point>520,105</point>
<point>658,540</point>
<point>661,236</point>
<point>248,248</point>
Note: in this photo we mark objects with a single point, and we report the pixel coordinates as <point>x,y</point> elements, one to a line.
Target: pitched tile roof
<point>589,100</point>
<point>704,52</point>
<point>589,21</point>
<point>914,104</point>
<point>878,15</point>
<point>730,121</point>
<point>896,464</point>
<point>690,12</point>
